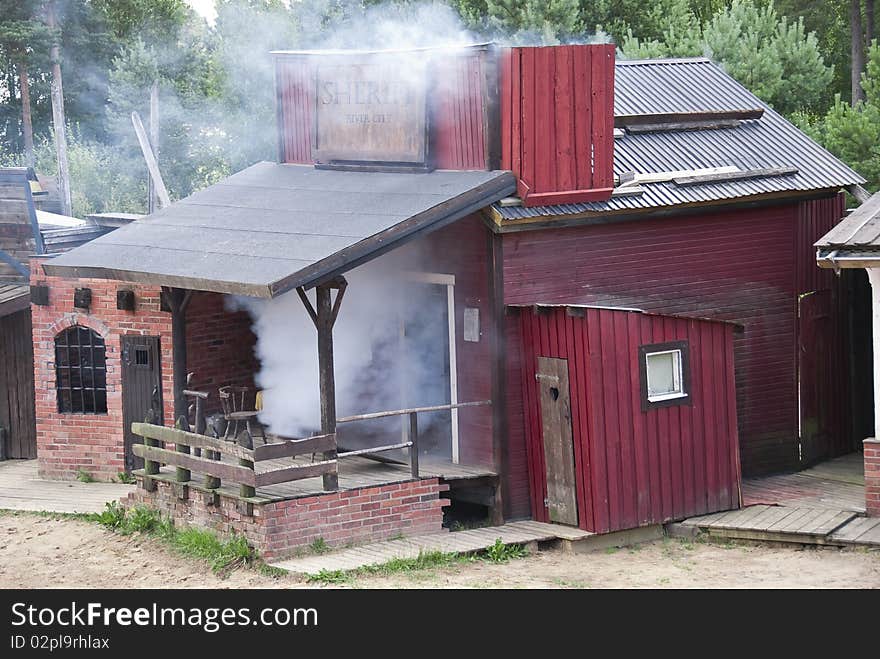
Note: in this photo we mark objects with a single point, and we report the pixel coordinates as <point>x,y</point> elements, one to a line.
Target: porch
<point>823,505</point>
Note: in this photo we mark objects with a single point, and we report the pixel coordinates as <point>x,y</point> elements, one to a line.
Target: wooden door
<point>141,389</point>
<point>552,377</point>
<point>815,384</point>
<point>18,423</point>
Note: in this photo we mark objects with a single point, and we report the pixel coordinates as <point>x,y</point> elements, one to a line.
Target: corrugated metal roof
<point>273,227</point>
<point>698,85</point>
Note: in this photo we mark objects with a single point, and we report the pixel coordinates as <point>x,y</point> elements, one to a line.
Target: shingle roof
<point>645,87</point>
<point>273,227</point>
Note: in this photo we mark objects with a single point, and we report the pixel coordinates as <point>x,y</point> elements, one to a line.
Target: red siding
<point>736,265</point>
<point>633,467</point>
<point>459,111</point>
<point>457,108</point>
<point>295,89</point>
<point>557,122</point>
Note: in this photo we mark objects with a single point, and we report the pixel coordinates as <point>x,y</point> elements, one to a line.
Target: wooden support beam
<point>152,165</point>
<point>244,440</point>
<point>499,375</point>
<point>324,315</point>
<point>178,300</point>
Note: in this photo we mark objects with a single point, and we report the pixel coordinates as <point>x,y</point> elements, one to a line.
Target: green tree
<point>523,21</point>
<point>23,38</point>
<point>774,57</point>
<point>852,133</point>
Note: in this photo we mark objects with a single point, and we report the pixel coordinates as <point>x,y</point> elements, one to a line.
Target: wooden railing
<point>155,454</point>
<point>413,443</point>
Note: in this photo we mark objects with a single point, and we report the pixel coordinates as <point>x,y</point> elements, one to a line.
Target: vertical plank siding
<point>457,106</point>
<point>710,265</point>
<point>295,96</point>
<point>17,415</point>
<point>635,467</point>
<point>557,122</point>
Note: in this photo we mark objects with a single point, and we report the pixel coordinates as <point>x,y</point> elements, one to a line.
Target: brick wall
<point>94,443</point>
<point>872,477</point>
<point>277,530</point>
<point>220,346</point>
<point>219,351</point>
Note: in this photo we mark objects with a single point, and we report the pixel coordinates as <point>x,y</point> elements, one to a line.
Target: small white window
<point>664,375</point>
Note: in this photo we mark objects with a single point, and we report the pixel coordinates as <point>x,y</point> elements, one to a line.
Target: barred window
<point>80,371</point>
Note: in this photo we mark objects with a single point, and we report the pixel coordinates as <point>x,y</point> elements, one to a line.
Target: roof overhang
<point>14,298</point>
<point>274,227</point>
<point>855,241</point>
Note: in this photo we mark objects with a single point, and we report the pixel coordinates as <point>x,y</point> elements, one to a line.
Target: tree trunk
<point>58,118</point>
<point>869,23</point>
<point>27,126</point>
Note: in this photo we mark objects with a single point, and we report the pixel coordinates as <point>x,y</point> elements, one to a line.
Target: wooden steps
<point>459,541</point>
<point>819,526</point>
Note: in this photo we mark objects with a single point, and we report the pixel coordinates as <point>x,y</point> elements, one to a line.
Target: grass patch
<point>319,546</point>
<point>84,477</point>
<point>501,553</point>
<point>125,478</point>
<point>424,562</point>
<point>222,554</point>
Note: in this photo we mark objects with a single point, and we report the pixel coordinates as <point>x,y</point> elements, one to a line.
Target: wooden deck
<point>22,489</point>
<point>456,542</point>
<point>822,505</point>
<point>837,484</point>
<point>354,472</point>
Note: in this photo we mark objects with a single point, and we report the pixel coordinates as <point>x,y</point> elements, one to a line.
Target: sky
<point>204,8</point>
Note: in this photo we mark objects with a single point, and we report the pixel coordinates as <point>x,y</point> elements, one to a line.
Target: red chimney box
<point>557,122</point>
<point>551,108</point>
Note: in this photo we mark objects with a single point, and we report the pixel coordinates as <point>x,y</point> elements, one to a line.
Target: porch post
<point>178,299</point>
<point>874,278</point>
<point>324,316</point>
<point>872,444</point>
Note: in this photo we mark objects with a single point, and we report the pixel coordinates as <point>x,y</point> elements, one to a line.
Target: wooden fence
<point>201,453</point>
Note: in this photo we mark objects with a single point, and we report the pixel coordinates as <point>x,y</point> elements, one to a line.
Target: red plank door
<point>561,501</point>
<point>814,376</point>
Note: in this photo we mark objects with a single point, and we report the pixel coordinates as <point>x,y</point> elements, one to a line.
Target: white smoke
<point>376,367</point>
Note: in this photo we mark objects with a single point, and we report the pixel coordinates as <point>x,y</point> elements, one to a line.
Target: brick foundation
<point>872,477</point>
<point>278,529</point>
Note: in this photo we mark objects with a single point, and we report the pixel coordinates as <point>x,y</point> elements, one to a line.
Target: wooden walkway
<point>22,489</point>
<point>822,505</point>
<point>777,523</point>
<point>837,484</point>
<point>457,541</point>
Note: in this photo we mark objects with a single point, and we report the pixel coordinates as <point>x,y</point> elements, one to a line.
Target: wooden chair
<point>240,413</point>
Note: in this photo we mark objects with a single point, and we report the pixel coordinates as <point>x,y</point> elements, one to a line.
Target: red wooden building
<point>576,220</point>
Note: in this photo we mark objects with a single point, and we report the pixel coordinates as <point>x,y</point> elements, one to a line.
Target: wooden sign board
<point>370,108</point>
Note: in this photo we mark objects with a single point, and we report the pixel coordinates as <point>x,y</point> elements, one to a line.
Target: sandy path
<point>39,552</point>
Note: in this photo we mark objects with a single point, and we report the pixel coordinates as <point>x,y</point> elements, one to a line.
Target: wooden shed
<point>630,416</point>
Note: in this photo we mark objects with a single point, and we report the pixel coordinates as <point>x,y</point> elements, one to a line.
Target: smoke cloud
<point>390,352</point>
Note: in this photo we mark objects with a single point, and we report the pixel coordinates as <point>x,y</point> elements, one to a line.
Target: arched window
<point>81,371</point>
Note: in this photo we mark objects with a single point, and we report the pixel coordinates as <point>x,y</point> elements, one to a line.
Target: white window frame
<point>677,376</point>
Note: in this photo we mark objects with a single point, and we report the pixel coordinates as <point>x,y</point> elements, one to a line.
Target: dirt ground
<point>40,552</point>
